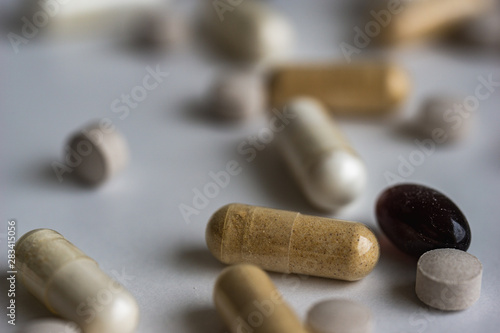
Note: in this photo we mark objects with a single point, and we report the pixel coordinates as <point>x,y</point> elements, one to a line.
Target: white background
<point>132,224</point>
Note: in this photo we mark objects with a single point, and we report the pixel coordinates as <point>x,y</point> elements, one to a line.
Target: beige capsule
<point>71,285</point>
<point>349,90</point>
<point>289,242</point>
<point>428,18</point>
<point>248,301</point>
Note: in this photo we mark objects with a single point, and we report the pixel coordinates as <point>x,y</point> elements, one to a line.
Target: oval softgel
<point>71,285</point>
<point>418,219</point>
<point>289,242</point>
<point>327,169</point>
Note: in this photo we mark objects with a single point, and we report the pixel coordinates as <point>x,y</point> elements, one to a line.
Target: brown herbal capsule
<point>290,242</point>
<point>350,90</point>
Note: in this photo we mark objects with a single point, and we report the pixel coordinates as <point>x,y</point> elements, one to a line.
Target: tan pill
<point>339,316</point>
<point>429,18</point>
<point>248,301</point>
<point>71,285</point>
<point>354,89</point>
<point>448,279</point>
<point>96,153</point>
<point>289,242</point>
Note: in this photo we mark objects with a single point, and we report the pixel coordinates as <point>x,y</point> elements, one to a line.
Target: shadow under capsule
<point>202,319</point>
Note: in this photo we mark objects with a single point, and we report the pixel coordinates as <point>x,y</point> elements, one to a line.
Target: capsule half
<point>289,242</point>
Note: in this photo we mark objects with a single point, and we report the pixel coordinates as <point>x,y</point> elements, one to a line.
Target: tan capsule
<point>289,242</point>
<point>248,301</point>
<point>428,18</point>
<point>355,89</point>
<point>71,285</point>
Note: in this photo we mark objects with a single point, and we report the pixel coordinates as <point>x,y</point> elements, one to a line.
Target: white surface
<point>132,225</point>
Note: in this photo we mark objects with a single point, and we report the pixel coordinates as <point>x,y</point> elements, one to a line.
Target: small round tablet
<point>444,118</point>
<point>49,325</point>
<point>238,95</point>
<point>448,279</point>
<point>96,153</point>
<point>339,316</point>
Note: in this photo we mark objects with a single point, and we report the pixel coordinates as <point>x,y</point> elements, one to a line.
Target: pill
<point>339,316</point>
<point>88,18</point>
<point>327,169</point>
<point>248,301</point>
<point>484,31</point>
<point>418,219</point>
<point>349,90</point>
<point>71,285</point>
<point>238,95</point>
<point>448,279</point>
<point>289,242</point>
<point>96,153</point>
<point>248,31</point>
<point>158,30</point>
<point>439,119</point>
<point>417,20</point>
<point>49,325</point>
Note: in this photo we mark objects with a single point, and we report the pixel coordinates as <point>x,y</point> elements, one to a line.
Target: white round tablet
<point>448,279</point>
<point>238,95</point>
<point>339,316</point>
<point>49,325</point>
<point>96,153</point>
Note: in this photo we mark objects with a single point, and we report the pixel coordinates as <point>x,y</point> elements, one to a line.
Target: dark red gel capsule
<point>418,219</point>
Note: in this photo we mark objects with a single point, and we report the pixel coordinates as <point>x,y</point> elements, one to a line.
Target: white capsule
<point>49,325</point>
<point>96,153</point>
<point>339,316</point>
<point>441,119</point>
<point>249,30</point>
<point>87,18</point>
<point>238,95</point>
<point>327,169</point>
<point>71,285</point>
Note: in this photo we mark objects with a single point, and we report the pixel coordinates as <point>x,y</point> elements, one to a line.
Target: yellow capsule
<point>248,301</point>
<point>355,89</point>
<point>289,242</point>
<point>428,18</point>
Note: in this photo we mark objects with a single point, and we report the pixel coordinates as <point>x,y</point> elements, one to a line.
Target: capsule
<point>362,89</point>
<point>71,285</point>
<point>249,30</point>
<point>415,20</point>
<point>328,170</point>
<point>248,301</point>
<point>289,242</point>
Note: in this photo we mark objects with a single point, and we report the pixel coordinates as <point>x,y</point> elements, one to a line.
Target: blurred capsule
<point>429,18</point>
<point>49,325</point>
<point>238,95</point>
<point>368,88</point>
<point>248,30</point>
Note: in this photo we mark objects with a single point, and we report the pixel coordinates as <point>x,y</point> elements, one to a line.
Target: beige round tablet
<point>339,316</point>
<point>49,325</point>
<point>96,153</point>
<point>448,279</point>
<point>238,95</point>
